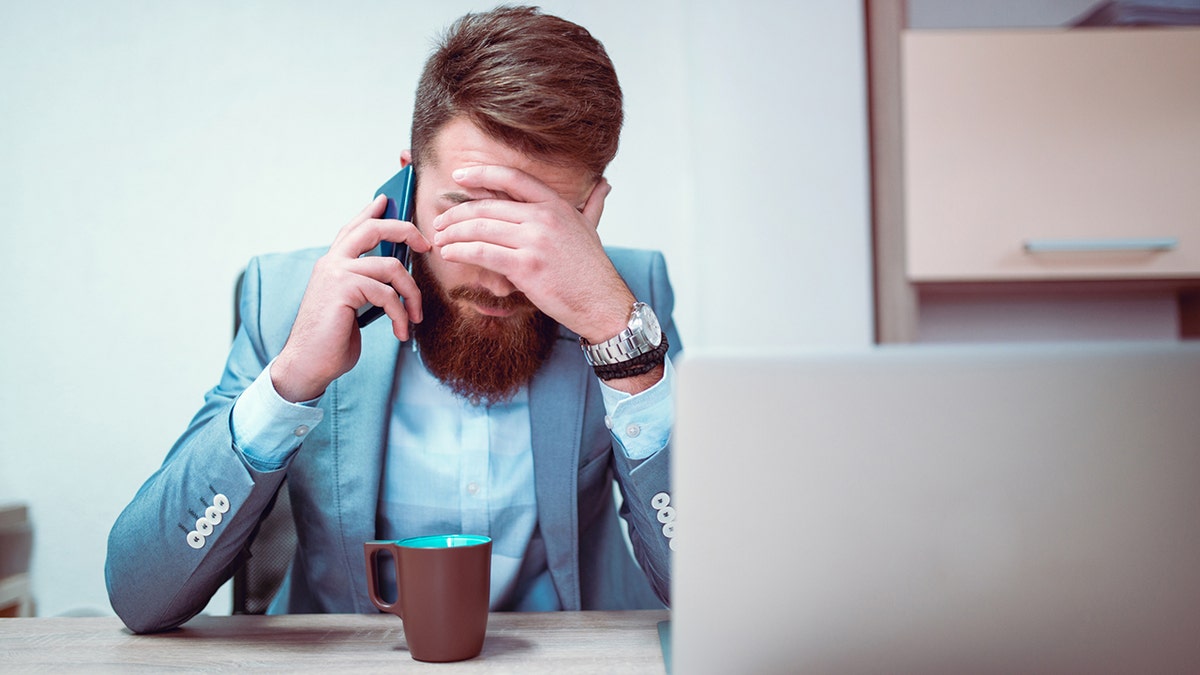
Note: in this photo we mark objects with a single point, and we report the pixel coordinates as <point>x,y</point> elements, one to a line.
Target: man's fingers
<point>510,262</point>
<point>399,313</point>
<point>366,230</point>
<point>363,236</point>
<point>385,281</point>
<point>495,209</point>
<point>509,182</point>
<point>372,210</point>
<point>499,232</point>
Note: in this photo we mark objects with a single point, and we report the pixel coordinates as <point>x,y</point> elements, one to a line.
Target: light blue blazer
<point>160,573</point>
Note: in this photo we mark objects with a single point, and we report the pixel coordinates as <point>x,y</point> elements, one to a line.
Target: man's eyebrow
<point>457,197</point>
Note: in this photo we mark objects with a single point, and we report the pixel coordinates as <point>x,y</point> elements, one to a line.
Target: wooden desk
<point>551,642</point>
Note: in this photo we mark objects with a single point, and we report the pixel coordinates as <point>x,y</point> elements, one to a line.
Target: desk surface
<point>551,642</point>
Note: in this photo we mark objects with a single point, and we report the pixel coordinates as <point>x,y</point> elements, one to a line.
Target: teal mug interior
<point>443,541</point>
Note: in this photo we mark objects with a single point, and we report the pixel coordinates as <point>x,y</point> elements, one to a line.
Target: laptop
<point>938,509</point>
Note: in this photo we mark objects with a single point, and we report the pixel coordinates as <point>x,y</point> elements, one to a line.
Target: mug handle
<point>372,549</point>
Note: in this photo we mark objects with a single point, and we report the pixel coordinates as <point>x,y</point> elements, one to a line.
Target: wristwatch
<point>633,351</point>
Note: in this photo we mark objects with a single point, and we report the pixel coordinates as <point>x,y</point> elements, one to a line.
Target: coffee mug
<point>442,591</point>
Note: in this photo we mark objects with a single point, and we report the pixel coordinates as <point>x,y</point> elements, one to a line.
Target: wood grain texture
<point>549,642</point>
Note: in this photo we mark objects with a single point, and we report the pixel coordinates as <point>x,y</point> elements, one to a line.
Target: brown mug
<point>443,587</point>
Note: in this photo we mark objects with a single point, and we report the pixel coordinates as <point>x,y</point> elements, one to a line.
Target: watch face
<point>645,320</point>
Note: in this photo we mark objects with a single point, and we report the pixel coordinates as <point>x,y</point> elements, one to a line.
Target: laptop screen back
<point>1029,508</point>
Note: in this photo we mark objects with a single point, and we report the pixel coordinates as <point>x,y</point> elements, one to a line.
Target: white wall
<point>148,149</point>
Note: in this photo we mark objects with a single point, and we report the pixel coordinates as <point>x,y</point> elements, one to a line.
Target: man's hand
<point>325,341</point>
<point>542,244</point>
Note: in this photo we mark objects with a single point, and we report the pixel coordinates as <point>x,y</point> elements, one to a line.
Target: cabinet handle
<point>1144,244</point>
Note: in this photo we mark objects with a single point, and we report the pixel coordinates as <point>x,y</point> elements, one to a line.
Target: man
<point>536,373</point>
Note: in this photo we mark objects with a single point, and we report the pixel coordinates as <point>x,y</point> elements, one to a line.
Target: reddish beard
<point>485,359</point>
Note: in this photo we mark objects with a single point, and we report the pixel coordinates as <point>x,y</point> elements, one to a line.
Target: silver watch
<point>642,334</point>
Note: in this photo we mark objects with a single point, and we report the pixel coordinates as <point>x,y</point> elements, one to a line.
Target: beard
<point>485,359</point>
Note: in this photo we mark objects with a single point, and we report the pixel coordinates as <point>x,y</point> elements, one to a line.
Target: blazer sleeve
<point>184,533</point>
<point>646,485</point>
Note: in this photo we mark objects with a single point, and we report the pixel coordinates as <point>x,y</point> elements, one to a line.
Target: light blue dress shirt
<point>453,467</point>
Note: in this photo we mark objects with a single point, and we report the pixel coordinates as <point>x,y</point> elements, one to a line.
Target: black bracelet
<point>638,365</point>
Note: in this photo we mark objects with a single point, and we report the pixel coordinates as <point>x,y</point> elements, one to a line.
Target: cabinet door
<point>1060,154</point>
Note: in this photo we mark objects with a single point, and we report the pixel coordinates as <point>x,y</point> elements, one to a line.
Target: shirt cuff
<point>267,430</point>
<point>642,422</point>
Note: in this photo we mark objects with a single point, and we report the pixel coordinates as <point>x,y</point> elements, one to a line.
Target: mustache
<point>513,301</point>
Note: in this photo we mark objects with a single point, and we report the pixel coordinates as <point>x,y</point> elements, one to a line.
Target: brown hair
<point>537,83</point>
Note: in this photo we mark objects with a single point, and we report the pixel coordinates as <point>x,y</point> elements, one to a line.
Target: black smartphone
<point>400,195</point>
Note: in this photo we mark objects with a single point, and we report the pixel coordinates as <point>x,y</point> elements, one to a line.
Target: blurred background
<point>149,149</point>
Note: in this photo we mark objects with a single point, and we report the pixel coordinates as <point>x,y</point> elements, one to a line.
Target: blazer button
<point>221,502</point>
<point>213,515</point>
<point>666,514</point>
<point>195,540</point>
<point>660,500</point>
<point>204,526</point>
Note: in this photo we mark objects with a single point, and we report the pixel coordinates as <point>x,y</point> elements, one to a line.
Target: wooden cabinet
<point>1051,154</point>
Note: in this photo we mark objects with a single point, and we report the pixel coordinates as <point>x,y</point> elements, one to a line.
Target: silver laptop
<point>970,509</point>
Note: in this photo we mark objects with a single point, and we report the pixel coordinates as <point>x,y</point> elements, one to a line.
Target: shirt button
<point>633,430</point>
<point>608,422</point>
<point>301,430</point>
<point>472,488</point>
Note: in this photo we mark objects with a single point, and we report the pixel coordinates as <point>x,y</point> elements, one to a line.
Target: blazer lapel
<point>556,406</point>
<point>361,408</point>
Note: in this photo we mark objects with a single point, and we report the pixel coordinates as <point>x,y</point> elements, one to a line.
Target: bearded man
<point>527,367</point>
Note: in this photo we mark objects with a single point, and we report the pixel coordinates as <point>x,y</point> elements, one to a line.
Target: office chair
<point>273,543</point>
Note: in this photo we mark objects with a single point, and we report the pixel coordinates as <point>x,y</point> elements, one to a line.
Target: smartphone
<point>400,195</point>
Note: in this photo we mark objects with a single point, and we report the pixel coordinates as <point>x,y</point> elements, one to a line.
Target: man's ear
<point>593,208</point>
<point>405,158</point>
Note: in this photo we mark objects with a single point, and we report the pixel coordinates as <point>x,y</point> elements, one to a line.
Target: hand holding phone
<point>400,195</point>
<point>325,342</point>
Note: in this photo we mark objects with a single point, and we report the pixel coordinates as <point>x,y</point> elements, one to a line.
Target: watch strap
<point>638,365</point>
<point>630,343</point>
